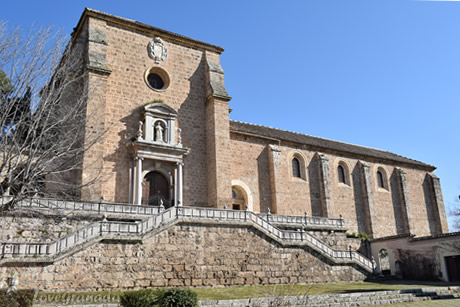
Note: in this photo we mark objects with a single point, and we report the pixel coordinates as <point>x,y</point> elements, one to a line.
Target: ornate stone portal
<point>157,173</point>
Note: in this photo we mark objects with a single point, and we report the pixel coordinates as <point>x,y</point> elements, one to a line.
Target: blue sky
<point>378,73</point>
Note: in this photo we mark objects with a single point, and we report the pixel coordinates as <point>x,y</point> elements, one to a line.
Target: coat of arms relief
<point>157,50</point>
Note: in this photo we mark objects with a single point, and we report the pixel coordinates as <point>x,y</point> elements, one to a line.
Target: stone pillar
<point>325,186</point>
<point>139,180</point>
<point>217,135</point>
<point>368,198</point>
<point>274,161</point>
<point>179,184</point>
<point>131,181</point>
<point>176,187</point>
<point>172,188</point>
<point>405,203</point>
<point>92,44</point>
<point>439,212</point>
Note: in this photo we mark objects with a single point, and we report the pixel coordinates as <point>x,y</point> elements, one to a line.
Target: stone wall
<point>117,63</point>
<point>193,255</point>
<point>274,187</point>
<point>419,258</point>
<point>337,239</point>
<point>122,51</point>
<point>127,92</point>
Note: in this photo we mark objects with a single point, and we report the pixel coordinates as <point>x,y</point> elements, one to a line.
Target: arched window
<point>341,174</point>
<point>296,168</point>
<point>380,180</point>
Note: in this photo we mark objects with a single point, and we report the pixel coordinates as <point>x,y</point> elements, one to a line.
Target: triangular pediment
<point>160,108</point>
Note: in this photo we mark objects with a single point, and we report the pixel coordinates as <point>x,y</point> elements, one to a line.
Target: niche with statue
<point>159,125</point>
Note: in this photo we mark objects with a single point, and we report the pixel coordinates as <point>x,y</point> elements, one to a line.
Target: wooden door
<point>155,190</point>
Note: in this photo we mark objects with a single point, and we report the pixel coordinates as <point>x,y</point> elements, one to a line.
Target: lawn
<point>301,290</point>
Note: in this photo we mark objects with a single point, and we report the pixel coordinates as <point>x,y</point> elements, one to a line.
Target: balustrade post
<point>374,264</point>
<point>351,253</point>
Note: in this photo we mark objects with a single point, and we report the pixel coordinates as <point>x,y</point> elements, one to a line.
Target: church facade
<point>162,99</point>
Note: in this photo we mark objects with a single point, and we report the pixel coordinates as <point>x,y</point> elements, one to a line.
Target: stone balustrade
<point>48,252</point>
<point>80,206</point>
<point>304,221</point>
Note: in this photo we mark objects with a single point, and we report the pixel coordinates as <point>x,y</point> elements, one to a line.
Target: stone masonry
<point>144,81</point>
<point>221,151</point>
<point>192,255</point>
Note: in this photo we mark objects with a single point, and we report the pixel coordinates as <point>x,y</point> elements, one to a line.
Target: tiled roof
<point>321,144</point>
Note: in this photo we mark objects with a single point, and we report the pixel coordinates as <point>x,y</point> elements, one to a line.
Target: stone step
<point>345,300</point>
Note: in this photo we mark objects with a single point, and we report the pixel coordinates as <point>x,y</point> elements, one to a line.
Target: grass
<point>242,292</point>
<point>306,289</point>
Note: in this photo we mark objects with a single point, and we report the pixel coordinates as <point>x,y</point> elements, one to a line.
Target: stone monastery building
<point>170,138</point>
<point>277,203</point>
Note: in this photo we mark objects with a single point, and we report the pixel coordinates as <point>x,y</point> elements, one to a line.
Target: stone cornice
<point>143,28</point>
<point>157,151</point>
<point>98,70</point>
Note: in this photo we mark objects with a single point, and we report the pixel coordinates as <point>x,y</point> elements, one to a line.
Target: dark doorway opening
<point>155,190</point>
<point>453,267</point>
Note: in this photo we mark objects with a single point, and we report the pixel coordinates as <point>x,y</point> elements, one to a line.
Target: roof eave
<point>144,28</point>
<point>364,151</point>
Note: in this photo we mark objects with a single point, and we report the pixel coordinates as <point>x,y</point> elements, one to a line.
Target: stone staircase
<point>347,299</point>
<point>155,221</point>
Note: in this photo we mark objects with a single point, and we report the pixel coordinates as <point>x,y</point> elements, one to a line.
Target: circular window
<point>157,78</point>
<point>155,81</point>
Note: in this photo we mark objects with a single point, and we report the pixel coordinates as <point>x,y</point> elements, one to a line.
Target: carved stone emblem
<point>157,50</point>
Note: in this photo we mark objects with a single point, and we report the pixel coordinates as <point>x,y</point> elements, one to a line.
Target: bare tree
<point>43,115</point>
<point>455,213</point>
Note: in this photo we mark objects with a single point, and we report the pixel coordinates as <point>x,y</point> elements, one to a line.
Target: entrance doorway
<point>238,199</point>
<point>453,268</point>
<point>155,190</point>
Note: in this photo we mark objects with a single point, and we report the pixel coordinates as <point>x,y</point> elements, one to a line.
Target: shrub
<point>18,298</point>
<point>177,298</point>
<point>351,235</point>
<point>139,298</point>
<point>363,235</point>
